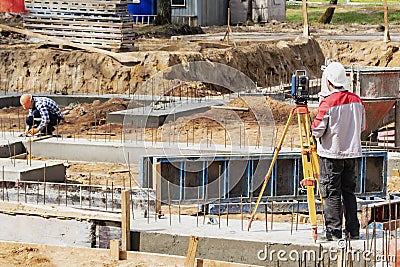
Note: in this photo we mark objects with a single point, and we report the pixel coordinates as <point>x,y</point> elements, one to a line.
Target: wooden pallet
<point>89,27</point>
<point>101,23</point>
<point>81,2</point>
<point>49,10</point>
<point>91,35</point>
<point>56,23</point>
<point>72,18</point>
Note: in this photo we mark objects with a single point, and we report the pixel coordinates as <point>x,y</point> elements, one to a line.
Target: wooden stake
<point>306,31</point>
<point>125,220</point>
<point>191,251</point>
<point>386,37</point>
<point>114,249</point>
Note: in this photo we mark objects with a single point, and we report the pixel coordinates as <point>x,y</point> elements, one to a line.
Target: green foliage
<point>344,15</point>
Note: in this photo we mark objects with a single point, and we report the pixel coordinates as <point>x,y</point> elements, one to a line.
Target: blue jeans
<point>337,183</point>
<point>35,119</point>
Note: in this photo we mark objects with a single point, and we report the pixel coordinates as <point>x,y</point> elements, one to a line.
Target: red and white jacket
<point>339,124</point>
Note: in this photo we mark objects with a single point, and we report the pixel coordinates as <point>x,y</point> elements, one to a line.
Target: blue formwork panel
<point>228,178</point>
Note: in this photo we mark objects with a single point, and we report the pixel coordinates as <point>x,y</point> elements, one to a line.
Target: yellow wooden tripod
<point>309,161</point>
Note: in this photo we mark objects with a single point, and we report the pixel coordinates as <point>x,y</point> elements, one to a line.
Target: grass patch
<point>361,15</point>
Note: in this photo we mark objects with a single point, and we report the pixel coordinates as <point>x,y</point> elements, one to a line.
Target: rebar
<point>169,204</point>
<point>44,184</point>
<point>272,214</point>
<point>219,196</point>
<point>241,211</point>
<point>266,216</point>
<point>90,189</point>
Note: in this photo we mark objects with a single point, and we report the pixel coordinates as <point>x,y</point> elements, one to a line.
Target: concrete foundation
<point>117,152</point>
<point>57,225</point>
<point>32,170</point>
<point>9,149</point>
<point>155,116</point>
<point>233,243</point>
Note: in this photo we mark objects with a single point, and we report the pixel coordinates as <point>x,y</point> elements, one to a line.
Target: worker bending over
<point>44,114</point>
<point>338,127</point>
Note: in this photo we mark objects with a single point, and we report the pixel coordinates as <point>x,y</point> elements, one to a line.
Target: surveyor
<point>338,127</point>
<point>44,114</point>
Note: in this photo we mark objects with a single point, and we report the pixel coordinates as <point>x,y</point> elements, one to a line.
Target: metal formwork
<point>230,177</point>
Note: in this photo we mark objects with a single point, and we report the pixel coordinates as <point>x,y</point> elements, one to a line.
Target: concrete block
<point>51,231</point>
<point>9,149</point>
<point>31,170</point>
<point>114,249</point>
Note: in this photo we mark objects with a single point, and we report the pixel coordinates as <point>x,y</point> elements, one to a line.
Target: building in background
<point>143,11</point>
<point>200,12</point>
<point>263,11</point>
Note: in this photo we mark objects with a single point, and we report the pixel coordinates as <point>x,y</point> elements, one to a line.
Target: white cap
<point>336,74</point>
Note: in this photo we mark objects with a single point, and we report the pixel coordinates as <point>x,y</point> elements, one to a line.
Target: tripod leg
<point>310,165</point>
<point>275,157</point>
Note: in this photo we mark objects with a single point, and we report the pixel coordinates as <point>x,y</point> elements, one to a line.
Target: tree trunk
<point>164,13</point>
<point>249,15</point>
<point>326,18</point>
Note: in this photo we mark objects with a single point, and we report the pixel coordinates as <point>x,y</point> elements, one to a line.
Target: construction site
<point>168,137</point>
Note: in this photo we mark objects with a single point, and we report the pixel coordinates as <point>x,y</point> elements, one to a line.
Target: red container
<point>16,6</point>
<point>394,251</point>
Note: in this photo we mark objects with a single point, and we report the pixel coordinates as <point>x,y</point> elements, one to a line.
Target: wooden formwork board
<point>75,10</point>
<point>100,4</point>
<point>84,28</point>
<point>86,34</point>
<point>74,17</point>
<point>72,23</point>
<point>82,2</point>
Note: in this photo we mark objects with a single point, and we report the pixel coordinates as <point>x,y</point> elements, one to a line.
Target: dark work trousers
<point>35,119</point>
<point>337,183</point>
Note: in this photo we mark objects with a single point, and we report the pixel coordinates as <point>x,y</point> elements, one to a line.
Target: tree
<point>326,18</point>
<point>249,15</point>
<point>164,13</point>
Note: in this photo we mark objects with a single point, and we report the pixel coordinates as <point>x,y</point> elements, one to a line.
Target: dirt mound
<point>80,118</point>
<point>166,31</point>
<point>373,53</point>
<point>23,256</point>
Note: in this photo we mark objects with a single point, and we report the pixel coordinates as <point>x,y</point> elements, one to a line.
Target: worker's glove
<point>32,131</point>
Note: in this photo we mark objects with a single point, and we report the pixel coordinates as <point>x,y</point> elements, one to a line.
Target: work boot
<point>353,236</point>
<point>330,236</point>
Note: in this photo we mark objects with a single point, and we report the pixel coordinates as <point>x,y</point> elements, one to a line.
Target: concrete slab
<point>32,170</point>
<point>155,116</point>
<point>117,151</point>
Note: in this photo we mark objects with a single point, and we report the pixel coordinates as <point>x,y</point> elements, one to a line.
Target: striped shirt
<point>45,106</point>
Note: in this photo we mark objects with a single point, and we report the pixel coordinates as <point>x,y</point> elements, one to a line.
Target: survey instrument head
<point>300,87</point>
